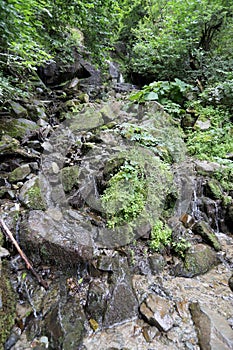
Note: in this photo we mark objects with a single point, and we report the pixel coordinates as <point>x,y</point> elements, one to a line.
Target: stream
<point>107,289</point>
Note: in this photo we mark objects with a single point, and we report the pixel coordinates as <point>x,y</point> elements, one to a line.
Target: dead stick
<point>21,253</point>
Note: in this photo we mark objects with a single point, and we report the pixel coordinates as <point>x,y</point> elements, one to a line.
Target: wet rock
<point>31,194</point>
<point>70,177</point>
<point>54,73</point>
<point>122,304</point>
<point>17,128</point>
<point>118,237</point>
<point>213,189</point>
<point>97,298</point>
<point>213,331</point>
<point>61,241</point>
<point>37,111</point>
<point>229,217</point>
<point>156,310</point>
<point>204,230</point>
<point>211,210</point>
<point>157,263</point>
<point>20,173</point>
<point>64,325</point>
<point>198,260</point>
<point>18,109</point>
<point>205,167</point>
<point>188,120</point>
<point>107,263</point>
<point>230,283</point>
<point>124,87</point>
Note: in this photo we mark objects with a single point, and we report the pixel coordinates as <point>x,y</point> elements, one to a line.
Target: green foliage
<point>225,176</point>
<point>220,93</point>
<point>181,246</point>
<point>215,142</point>
<point>163,91</point>
<point>137,190</point>
<point>171,95</point>
<point>177,38</point>
<point>161,236</point>
<point>8,90</point>
<point>125,197</point>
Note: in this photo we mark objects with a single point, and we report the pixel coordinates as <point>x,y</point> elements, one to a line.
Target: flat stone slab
<point>214,332</point>
<point>156,311</point>
<point>57,238</point>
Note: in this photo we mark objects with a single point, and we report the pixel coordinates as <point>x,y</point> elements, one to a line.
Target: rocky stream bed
<point>106,288</point>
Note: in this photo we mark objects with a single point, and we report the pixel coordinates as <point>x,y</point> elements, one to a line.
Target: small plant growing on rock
<point>181,246</point>
<point>124,198</point>
<point>161,236</point>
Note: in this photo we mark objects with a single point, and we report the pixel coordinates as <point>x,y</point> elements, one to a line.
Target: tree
<point>178,38</point>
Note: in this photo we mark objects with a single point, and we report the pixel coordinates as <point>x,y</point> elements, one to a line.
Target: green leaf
<point>151,96</point>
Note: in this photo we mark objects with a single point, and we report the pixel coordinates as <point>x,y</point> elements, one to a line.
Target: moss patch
<point>69,177</point>
<point>7,311</point>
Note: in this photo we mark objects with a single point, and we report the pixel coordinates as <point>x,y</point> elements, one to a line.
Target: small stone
<point>74,82</point>
<point>202,125</point>
<point>47,146</point>
<point>3,252</point>
<point>20,173</point>
<point>156,311</point>
<point>187,220</point>
<point>94,325</point>
<point>55,168</point>
<point>18,109</point>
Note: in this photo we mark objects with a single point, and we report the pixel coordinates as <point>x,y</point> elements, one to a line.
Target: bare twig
<point>21,253</point>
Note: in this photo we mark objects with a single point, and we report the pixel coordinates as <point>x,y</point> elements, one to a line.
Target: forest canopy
<point>162,39</point>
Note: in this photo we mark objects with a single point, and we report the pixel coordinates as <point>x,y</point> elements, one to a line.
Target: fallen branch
<point>21,253</point>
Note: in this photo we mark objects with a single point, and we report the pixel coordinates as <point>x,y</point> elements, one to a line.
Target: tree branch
<point>21,253</point>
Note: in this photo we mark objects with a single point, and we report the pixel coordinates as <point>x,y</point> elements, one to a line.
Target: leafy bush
<point>161,236</point>
<point>215,142</point>
<point>137,191</point>
<point>172,95</point>
<point>125,197</point>
<point>181,246</point>
<point>220,93</point>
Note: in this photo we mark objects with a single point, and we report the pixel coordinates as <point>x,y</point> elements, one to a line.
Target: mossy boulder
<point>20,173</point>
<point>89,119</point>
<point>204,230</point>
<point>213,189</point>
<point>18,109</point>
<point>199,259</point>
<point>31,194</point>
<point>17,128</point>
<point>70,177</point>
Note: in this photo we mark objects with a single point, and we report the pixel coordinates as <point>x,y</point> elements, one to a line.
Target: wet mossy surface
<point>7,309</point>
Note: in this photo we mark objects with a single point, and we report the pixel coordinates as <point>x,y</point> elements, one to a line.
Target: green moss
<point>124,199</point>
<point>226,201</point>
<point>34,197</point>
<point>161,236</point>
<point>17,128</point>
<point>214,189</point>
<point>70,177</point>
<point>7,311</point>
